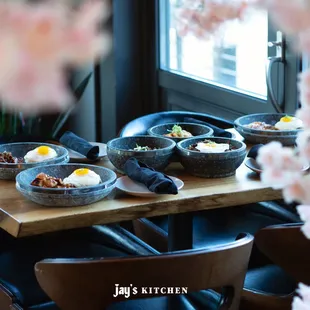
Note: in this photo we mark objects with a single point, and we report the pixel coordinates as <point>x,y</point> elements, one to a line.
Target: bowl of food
<point>267,127</point>
<point>212,157</point>
<point>180,131</point>
<point>155,152</point>
<point>66,185</point>
<point>16,157</point>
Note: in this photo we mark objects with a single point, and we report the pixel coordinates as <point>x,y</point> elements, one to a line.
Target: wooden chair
<point>287,247</point>
<point>90,284</point>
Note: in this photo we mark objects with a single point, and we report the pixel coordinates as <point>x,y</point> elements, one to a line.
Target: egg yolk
<point>43,150</point>
<point>286,119</point>
<point>81,172</point>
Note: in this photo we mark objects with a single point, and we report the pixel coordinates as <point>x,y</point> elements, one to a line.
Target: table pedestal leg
<point>180,232</point>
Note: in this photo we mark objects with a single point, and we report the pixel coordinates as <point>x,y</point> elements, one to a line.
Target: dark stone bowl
<point>119,150</point>
<point>255,136</point>
<point>10,171</point>
<point>69,197</point>
<point>196,130</point>
<point>211,165</point>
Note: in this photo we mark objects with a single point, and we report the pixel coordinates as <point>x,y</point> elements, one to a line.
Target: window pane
<point>239,65</point>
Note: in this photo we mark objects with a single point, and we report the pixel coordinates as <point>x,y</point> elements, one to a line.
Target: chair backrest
<point>140,125</point>
<point>90,284</point>
<point>287,247</point>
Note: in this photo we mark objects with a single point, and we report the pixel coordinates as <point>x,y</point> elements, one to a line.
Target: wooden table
<point>21,217</point>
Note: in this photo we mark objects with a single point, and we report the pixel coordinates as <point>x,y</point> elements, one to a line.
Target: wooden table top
<point>21,217</point>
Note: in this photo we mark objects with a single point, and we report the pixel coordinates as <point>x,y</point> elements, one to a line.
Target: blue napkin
<point>155,181</point>
<point>79,145</point>
<point>218,132</point>
<point>253,152</point>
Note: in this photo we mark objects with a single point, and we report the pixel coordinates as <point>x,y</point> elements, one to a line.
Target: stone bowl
<point>119,150</point>
<point>256,136</point>
<point>68,197</point>
<point>197,130</point>
<point>211,165</point>
<point>10,171</point>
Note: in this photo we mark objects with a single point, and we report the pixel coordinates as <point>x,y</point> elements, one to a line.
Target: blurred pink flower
<point>304,212</point>
<point>292,16</point>
<point>298,191</point>
<point>302,302</point>
<point>206,16</point>
<point>304,87</point>
<point>281,167</point>
<point>303,144</point>
<point>39,41</point>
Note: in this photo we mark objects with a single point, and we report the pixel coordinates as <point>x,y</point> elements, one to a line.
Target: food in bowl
<point>7,157</point>
<point>47,181</point>
<point>139,148</point>
<point>285,123</point>
<point>208,146</point>
<point>40,154</point>
<point>83,177</point>
<point>289,123</point>
<point>178,132</point>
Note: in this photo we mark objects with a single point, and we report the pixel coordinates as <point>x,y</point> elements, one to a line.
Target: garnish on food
<point>285,123</point>
<point>178,132</point>
<point>139,148</point>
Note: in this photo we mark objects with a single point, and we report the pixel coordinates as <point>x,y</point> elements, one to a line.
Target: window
<point>229,71</point>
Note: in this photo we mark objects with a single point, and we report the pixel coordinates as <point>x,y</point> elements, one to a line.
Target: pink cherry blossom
<point>302,302</point>
<point>303,144</point>
<point>38,42</point>
<point>304,212</point>
<point>204,17</point>
<point>304,90</point>
<point>279,164</point>
<point>298,191</point>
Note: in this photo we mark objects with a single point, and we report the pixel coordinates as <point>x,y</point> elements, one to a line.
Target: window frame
<point>214,95</point>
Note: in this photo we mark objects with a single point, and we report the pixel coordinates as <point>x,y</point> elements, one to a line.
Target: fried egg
<point>212,147</point>
<point>289,123</point>
<point>83,177</point>
<point>39,154</point>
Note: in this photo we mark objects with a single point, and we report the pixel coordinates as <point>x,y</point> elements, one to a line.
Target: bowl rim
<point>78,190</point>
<point>167,148</point>
<point>209,133</point>
<point>242,147</point>
<point>241,131</point>
<point>36,164</point>
<point>237,123</point>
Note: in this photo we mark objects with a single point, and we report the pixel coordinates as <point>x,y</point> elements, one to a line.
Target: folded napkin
<point>218,132</point>
<point>79,145</point>
<point>155,181</point>
<point>253,152</point>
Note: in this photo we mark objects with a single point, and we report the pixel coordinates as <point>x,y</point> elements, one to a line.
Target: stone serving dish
<point>255,136</point>
<point>197,130</point>
<point>119,150</point>
<point>211,165</point>
<point>68,197</point>
<point>10,171</point>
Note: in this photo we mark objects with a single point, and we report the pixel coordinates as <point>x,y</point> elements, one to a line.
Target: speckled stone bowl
<point>196,130</point>
<point>10,171</point>
<point>255,136</point>
<point>211,165</point>
<point>69,197</point>
<point>119,150</point>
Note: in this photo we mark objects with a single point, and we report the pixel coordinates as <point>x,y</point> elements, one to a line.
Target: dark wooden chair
<point>90,284</point>
<point>287,247</point>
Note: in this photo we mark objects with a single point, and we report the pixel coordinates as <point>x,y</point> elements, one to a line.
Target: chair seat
<point>18,257</point>
<point>270,279</point>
